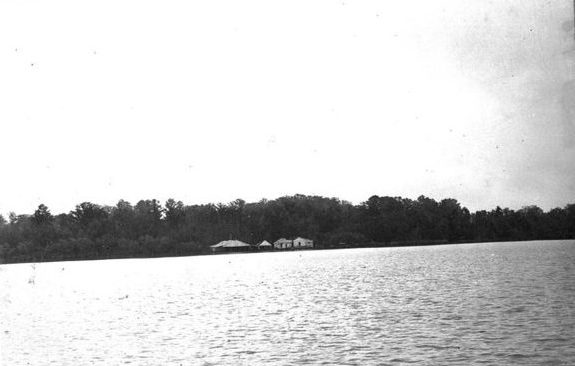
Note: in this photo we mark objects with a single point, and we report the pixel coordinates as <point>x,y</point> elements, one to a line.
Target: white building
<point>302,243</point>
<point>282,243</point>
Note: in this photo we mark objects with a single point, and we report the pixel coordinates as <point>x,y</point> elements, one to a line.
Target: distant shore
<point>150,229</point>
<point>366,246</point>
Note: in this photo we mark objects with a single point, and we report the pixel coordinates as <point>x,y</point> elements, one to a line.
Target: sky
<point>209,101</point>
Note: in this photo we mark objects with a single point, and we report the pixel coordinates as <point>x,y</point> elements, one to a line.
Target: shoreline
<point>375,245</point>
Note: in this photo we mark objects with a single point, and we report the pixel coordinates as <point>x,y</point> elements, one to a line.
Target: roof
<point>264,243</point>
<point>282,239</point>
<point>230,244</point>
<point>300,238</point>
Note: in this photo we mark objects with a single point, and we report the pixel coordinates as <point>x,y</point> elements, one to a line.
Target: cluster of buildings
<point>280,244</point>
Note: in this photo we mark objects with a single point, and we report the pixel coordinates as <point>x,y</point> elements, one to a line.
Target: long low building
<point>231,246</point>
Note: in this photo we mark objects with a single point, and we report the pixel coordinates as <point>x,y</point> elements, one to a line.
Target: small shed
<point>265,245</point>
<point>230,246</point>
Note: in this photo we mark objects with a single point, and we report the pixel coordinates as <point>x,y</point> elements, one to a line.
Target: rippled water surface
<point>500,303</point>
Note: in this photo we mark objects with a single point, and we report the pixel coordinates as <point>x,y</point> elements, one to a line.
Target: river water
<point>494,304</point>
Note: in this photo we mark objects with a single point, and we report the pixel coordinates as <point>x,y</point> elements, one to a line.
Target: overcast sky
<point>209,101</point>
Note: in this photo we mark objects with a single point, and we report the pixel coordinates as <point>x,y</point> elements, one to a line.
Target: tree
<point>384,219</point>
<point>454,220</point>
<point>532,217</point>
<point>91,219</point>
<point>122,217</point>
<point>426,218</point>
<point>174,212</point>
<point>87,212</point>
<point>148,216</point>
<point>43,234</point>
<point>13,217</point>
<point>42,216</point>
<point>570,214</point>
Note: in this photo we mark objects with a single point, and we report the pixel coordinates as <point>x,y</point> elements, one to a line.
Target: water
<point>494,304</point>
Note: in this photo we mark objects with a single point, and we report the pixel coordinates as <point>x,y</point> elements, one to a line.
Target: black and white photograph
<point>249,182</point>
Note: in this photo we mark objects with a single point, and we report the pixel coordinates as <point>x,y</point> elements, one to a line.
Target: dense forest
<point>149,229</point>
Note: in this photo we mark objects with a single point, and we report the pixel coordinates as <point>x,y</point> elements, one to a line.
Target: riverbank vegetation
<point>149,229</point>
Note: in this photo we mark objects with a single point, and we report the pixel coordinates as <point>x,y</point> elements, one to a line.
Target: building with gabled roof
<point>265,245</point>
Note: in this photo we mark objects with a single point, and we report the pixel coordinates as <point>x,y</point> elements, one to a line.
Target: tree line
<point>150,229</point>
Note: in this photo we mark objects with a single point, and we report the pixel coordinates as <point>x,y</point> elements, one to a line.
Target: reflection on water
<point>505,303</point>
